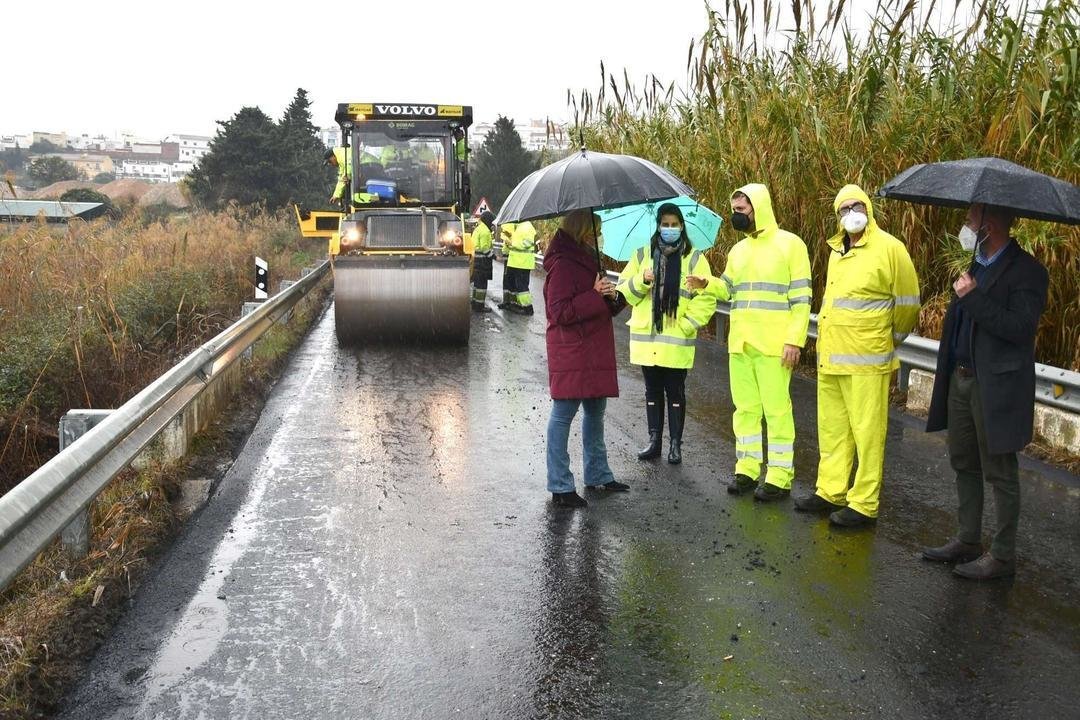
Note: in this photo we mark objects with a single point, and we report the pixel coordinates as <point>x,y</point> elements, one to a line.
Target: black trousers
<point>661,381</point>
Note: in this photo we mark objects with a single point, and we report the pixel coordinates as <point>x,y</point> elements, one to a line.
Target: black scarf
<point>667,281</point>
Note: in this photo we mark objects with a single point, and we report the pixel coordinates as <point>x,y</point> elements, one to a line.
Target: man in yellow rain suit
<point>871,303</point>
<point>519,247</point>
<point>767,280</point>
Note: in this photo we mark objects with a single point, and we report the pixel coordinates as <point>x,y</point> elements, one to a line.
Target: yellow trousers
<point>759,386</point>
<point>852,417</point>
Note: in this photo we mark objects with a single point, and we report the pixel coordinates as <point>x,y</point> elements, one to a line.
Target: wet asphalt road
<point>384,548</point>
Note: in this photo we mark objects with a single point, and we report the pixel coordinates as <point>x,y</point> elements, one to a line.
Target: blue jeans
<point>559,477</point>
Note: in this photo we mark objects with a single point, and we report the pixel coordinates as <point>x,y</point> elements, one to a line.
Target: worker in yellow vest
<point>871,303</point>
<point>519,246</point>
<point>482,260</point>
<point>339,159</point>
<point>664,324</point>
<point>767,280</point>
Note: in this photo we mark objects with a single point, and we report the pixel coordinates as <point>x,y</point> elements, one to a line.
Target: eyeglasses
<point>857,207</point>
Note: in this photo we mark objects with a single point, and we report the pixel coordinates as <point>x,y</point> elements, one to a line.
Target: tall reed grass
<point>92,312</point>
<point>804,103</point>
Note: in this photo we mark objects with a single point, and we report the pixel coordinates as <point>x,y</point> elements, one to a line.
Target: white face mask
<point>854,222</point>
<point>968,238</point>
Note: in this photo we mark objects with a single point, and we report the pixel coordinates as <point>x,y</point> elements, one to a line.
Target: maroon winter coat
<point>580,335</point>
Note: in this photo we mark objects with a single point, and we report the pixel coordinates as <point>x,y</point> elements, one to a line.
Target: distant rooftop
<point>53,210</point>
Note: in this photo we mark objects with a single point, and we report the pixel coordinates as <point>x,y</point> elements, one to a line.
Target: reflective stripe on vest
<point>856,304</point>
<point>861,359</point>
<point>907,300</point>
<point>763,287</point>
<point>759,305</point>
<point>687,342</point>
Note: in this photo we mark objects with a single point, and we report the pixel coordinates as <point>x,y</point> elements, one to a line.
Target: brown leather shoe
<point>987,567</point>
<point>953,551</point>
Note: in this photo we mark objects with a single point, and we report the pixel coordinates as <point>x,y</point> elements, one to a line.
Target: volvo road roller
<point>398,249</point>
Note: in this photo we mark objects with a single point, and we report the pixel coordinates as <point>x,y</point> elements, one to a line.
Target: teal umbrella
<point>628,228</point>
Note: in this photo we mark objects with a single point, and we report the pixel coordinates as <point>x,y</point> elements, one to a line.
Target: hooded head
<point>852,195</point>
<point>488,218</point>
<point>329,158</point>
<point>761,215</point>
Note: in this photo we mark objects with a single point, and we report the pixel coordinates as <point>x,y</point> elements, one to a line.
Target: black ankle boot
<point>654,413</point>
<point>676,416</point>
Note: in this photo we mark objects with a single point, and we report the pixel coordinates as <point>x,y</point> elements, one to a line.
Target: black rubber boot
<point>676,415</point>
<point>654,412</point>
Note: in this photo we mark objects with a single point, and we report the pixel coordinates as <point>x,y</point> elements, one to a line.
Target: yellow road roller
<point>398,249</point>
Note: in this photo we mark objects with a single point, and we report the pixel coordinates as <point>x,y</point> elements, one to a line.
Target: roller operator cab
<point>399,251</point>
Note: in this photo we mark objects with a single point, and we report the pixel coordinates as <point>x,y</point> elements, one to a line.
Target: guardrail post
<point>249,307</point>
<point>903,378</point>
<point>285,285</point>
<point>73,425</point>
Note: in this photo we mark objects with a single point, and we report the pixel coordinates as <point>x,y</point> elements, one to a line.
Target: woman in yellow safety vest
<point>664,324</point>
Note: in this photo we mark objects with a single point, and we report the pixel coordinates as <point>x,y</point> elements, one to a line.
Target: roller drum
<point>402,298</point>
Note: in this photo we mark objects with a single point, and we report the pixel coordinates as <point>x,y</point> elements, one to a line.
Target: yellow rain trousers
<point>767,280</point>
<point>871,303</point>
<point>759,385</point>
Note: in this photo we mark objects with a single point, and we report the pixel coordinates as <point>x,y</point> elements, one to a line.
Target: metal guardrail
<point>1054,386</point>
<point>37,509</point>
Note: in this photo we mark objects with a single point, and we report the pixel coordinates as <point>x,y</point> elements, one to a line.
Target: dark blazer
<point>1005,309</point>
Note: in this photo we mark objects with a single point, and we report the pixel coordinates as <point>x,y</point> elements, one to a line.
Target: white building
<point>192,148</point>
<point>535,134</point>
<point>330,136</point>
<point>162,166</point>
<point>10,142</point>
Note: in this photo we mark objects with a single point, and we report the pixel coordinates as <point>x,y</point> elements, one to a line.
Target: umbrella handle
<point>596,241</point>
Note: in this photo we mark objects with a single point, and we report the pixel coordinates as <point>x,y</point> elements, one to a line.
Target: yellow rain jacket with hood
<point>767,280</point>
<point>871,303</point>
<point>871,299</point>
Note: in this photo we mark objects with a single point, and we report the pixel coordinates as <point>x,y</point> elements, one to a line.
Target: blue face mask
<point>670,235</point>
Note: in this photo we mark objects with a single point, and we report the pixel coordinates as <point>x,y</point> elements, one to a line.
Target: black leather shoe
<point>953,551</point>
<point>527,310</point>
<point>610,486</point>
<point>767,493</point>
<point>480,307</point>
<point>740,484</point>
<point>987,567</point>
<point>652,450</point>
<point>568,499</point>
<point>849,518</point>
<point>674,453</point>
<point>816,504</point>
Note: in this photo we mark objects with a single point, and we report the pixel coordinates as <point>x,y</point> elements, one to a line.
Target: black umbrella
<point>589,181</point>
<point>989,181</point>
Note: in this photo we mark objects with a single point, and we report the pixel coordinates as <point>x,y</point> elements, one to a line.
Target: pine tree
<point>500,163</point>
<point>301,154</point>
<point>241,165</point>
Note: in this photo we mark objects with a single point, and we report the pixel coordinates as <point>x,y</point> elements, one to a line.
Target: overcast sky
<point>158,68</point>
<point>171,67</point>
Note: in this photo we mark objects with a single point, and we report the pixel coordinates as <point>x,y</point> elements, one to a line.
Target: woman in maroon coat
<point>580,303</point>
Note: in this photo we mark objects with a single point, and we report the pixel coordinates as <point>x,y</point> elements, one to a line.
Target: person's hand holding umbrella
<point>964,284</point>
